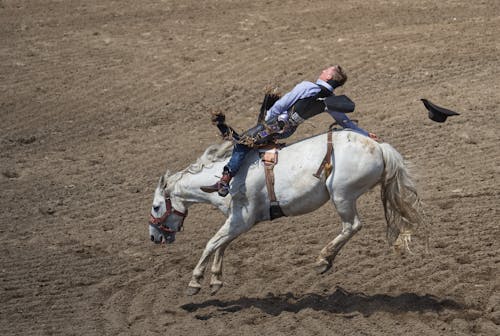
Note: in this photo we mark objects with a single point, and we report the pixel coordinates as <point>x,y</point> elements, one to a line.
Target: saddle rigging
<point>269,158</point>
<point>268,151</point>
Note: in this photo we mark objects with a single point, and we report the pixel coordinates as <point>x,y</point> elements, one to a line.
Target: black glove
<point>275,126</point>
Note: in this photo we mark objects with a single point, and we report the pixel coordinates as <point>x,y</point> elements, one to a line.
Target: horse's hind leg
<point>350,225</point>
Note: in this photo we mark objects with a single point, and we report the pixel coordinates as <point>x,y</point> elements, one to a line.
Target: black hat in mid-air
<point>436,113</point>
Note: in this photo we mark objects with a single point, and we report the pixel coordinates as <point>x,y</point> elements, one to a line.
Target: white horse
<point>359,163</point>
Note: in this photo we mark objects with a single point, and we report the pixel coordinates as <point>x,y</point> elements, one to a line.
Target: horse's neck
<point>188,187</point>
<point>187,184</point>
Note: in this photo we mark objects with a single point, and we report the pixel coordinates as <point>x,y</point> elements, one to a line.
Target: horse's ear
<point>162,183</point>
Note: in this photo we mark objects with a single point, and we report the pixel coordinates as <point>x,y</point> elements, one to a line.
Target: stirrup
<point>221,186</point>
<point>223,189</point>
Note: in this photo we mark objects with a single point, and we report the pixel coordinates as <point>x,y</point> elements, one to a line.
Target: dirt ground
<point>99,98</point>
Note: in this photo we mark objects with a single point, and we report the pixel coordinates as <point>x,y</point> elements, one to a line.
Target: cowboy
<point>303,102</point>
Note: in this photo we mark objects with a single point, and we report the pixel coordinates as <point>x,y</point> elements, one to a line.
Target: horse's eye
<point>156,208</point>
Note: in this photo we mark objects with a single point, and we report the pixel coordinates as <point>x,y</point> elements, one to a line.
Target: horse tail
<point>399,197</point>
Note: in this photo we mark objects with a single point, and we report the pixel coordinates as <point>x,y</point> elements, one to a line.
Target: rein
<point>157,221</point>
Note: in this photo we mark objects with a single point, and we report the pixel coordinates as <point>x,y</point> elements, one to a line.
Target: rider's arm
<point>345,122</point>
<point>281,107</point>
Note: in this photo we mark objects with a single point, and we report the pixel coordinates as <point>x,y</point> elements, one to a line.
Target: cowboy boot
<point>221,186</point>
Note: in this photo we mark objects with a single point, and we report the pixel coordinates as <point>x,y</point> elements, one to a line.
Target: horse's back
<point>350,150</point>
<point>357,166</point>
<point>358,163</point>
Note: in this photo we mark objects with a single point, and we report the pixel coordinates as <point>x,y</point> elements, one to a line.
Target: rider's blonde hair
<point>340,75</point>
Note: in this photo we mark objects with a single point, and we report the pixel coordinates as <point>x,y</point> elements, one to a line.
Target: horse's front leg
<point>228,232</point>
<point>216,280</point>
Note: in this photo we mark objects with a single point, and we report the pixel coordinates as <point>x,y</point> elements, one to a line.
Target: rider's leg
<point>230,170</point>
<point>221,186</point>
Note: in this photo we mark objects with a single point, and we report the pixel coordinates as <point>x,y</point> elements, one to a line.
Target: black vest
<point>310,106</point>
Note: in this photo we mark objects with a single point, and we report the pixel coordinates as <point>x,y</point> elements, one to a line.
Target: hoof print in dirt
<point>10,174</point>
<point>26,140</point>
<point>47,210</point>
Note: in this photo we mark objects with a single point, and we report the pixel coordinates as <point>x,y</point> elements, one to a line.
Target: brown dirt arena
<point>98,98</point>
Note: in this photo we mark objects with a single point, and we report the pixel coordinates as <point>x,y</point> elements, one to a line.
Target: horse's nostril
<point>156,208</point>
<point>152,238</point>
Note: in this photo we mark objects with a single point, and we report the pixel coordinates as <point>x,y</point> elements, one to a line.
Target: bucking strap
<point>270,159</point>
<point>325,164</point>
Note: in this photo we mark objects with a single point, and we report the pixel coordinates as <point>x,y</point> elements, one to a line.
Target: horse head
<point>165,220</point>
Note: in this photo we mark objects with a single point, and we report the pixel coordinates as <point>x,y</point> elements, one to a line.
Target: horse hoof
<point>192,291</point>
<point>215,288</point>
<point>323,266</point>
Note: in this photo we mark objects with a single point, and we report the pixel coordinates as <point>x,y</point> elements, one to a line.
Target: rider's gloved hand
<point>276,125</point>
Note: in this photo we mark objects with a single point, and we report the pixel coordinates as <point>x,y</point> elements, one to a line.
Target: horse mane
<point>214,153</point>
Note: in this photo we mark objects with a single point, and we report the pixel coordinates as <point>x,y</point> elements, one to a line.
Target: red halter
<point>157,221</point>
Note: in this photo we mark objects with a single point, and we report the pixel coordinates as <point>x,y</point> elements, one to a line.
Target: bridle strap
<point>159,226</point>
<point>157,221</point>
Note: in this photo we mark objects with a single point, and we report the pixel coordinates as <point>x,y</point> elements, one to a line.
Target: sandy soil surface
<point>99,98</point>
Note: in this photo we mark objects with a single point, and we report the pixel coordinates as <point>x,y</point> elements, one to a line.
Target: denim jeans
<point>239,152</point>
